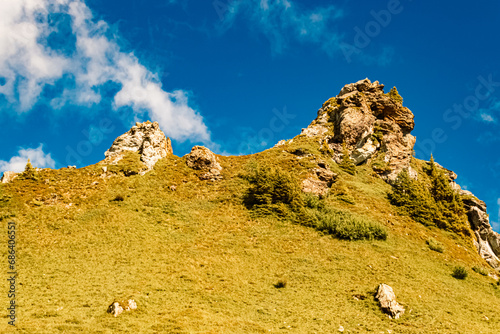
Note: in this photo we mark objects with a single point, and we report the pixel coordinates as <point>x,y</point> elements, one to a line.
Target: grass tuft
<point>435,245</point>
<point>459,272</point>
<point>480,270</point>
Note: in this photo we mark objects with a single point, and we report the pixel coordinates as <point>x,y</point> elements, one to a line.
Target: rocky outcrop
<point>388,304</point>
<point>320,180</point>
<point>144,138</point>
<point>201,158</point>
<point>370,123</point>
<point>117,307</point>
<point>487,241</point>
<point>8,177</point>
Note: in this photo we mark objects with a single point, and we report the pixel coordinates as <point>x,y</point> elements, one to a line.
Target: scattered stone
<point>201,158</point>
<point>104,169</point>
<point>72,167</point>
<point>388,303</point>
<point>8,177</point>
<point>173,188</point>
<point>117,307</point>
<point>145,138</point>
<point>341,329</point>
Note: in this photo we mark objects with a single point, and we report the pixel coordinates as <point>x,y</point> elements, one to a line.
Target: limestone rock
<point>370,123</point>
<point>117,307</point>
<point>145,138</point>
<point>201,158</point>
<point>8,177</point>
<point>487,241</point>
<point>387,298</point>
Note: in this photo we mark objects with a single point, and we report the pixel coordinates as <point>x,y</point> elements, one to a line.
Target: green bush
<point>277,193</point>
<point>480,270</point>
<point>29,173</point>
<point>394,94</point>
<point>343,225</point>
<point>460,272</point>
<point>273,191</point>
<point>435,245</point>
<point>430,200</point>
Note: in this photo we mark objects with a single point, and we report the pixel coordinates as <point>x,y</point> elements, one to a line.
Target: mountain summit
<point>370,124</point>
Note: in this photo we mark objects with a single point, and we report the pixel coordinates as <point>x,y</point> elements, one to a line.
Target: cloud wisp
<point>284,21</point>
<point>37,157</point>
<point>49,42</point>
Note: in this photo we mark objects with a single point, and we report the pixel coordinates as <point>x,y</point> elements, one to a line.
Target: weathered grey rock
<point>201,158</point>
<point>117,307</point>
<point>370,123</point>
<point>487,241</point>
<point>145,138</point>
<point>8,177</point>
<point>387,298</point>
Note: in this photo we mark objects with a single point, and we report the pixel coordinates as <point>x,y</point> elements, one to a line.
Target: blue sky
<point>238,76</point>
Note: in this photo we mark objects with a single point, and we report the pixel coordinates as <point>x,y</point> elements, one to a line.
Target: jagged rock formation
<point>487,241</point>
<point>201,158</point>
<point>371,125</point>
<point>8,177</point>
<point>388,304</point>
<point>145,138</point>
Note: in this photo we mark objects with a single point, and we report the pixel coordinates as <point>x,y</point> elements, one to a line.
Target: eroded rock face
<point>201,158</point>
<point>388,304</point>
<point>370,123</point>
<point>8,177</point>
<point>487,241</point>
<point>145,138</point>
<point>320,180</point>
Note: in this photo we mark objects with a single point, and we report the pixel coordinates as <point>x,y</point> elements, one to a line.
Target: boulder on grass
<point>387,298</point>
<point>117,307</point>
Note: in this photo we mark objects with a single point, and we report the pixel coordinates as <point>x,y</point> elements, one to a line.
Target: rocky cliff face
<point>487,241</point>
<point>370,124</point>
<point>145,138</point>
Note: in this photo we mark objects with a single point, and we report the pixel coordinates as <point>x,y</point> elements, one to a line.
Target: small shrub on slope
<point>460,272</point>
<point>430,200</point>
<point>275,192</point>
<point>29,173</point>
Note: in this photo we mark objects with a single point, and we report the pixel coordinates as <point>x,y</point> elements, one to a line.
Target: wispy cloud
<point>45,42</point>
<point>283,22</point>
<point>37,157</point>
<point>491,113</point>
<point>487,118</point>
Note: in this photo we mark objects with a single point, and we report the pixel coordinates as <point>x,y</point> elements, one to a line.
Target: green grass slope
<point>197,260</point>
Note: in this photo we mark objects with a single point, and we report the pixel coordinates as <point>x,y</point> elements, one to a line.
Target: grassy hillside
<point>197,260</point>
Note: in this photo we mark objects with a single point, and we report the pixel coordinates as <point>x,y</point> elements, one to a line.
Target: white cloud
<point>36,155</point>
<point>284,21</point>
<point>28,64</point>
<point>487,118</point>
